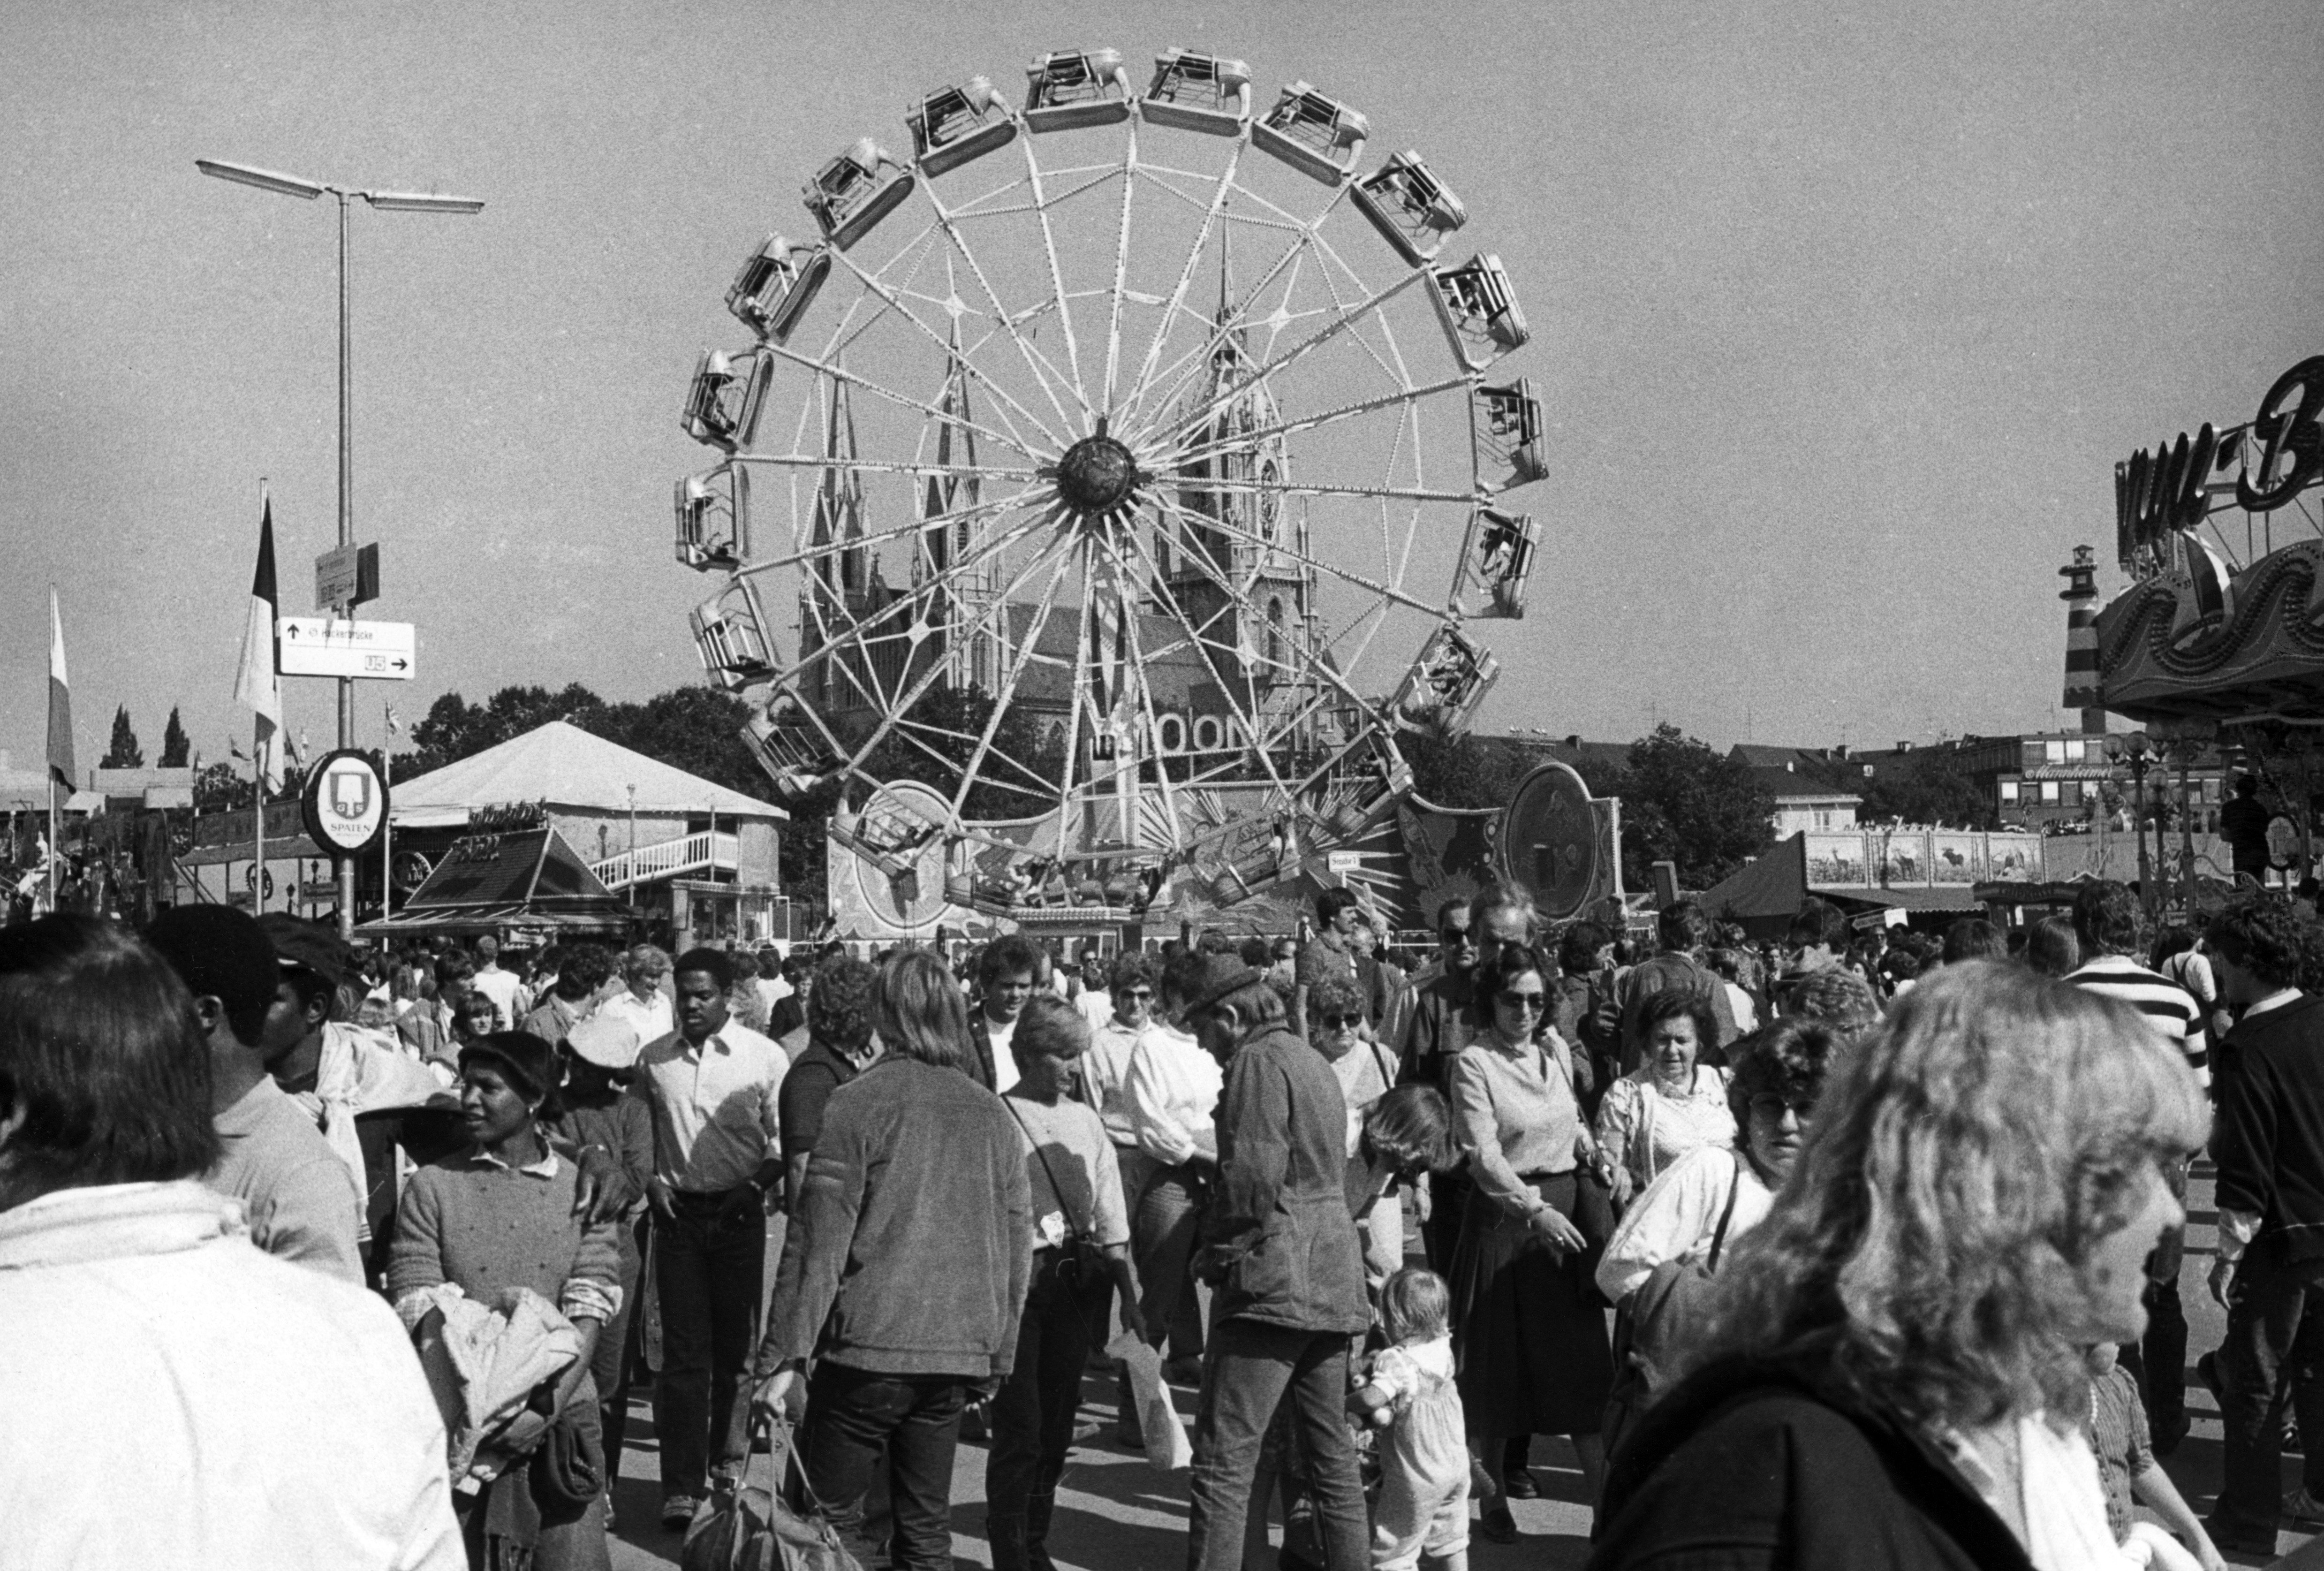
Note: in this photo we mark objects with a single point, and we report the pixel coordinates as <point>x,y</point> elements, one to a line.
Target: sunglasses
<point>1138,992</point>
<point>1463,939</point>
<point>1533,1001</point>
<point>1339,1023</point>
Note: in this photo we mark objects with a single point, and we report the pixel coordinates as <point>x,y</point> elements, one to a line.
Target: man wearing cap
<point>611,1132</point>
<point>1280,1248</point>
<point>335,1070</point>
<point>299,1199</point>
<point>712,1085</point>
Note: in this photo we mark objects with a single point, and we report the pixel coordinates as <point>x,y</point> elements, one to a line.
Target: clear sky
<point>1842,315</point>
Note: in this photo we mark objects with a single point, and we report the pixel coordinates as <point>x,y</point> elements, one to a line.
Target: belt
<point>684,1199</point>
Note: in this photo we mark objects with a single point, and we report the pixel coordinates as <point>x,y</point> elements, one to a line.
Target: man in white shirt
<point>277,1417</point>
<point>718,1164</point>
<point>1094,1000</point>
<point>640,1005</point>
<point>772,985</point>
<point>1005,976</point>
<point>503,987</point>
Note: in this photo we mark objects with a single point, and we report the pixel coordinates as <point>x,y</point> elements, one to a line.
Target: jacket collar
<point>115,1222</point>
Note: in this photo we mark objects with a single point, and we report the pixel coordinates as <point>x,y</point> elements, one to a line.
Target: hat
<point>221,953</point>
<point>606,1042</point>
<point>1221,975</point>
<point>531,1061</point>
<point>305,947</point>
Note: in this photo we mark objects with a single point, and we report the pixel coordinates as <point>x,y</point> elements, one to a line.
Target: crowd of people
<point>1857,1250</point>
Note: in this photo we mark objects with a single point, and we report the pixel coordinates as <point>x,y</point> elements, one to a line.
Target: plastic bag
<point>1166,1445</point>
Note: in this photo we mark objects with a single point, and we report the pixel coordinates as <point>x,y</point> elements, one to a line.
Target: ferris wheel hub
<point>1097,474</point>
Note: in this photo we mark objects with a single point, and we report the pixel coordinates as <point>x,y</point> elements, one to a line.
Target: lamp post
<point>2134,752</point>
<point>291,185</point>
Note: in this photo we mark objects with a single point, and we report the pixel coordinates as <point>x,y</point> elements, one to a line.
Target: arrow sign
<point>316,646</point>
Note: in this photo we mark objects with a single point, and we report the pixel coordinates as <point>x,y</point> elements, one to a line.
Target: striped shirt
<point>2168,1007</point>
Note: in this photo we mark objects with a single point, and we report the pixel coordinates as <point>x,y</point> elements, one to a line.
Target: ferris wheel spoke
<point>1402,396</point>
<point>1342,321</point>
<point>945,344</point>
<point>936,672</point>
<point>1085,638</point>
<point>1126,595</point>
<point>1202,646</point>
<point>1057,270</point>
<point>1023,659</point>
<point>1120,273</point>
<point>893,532</point>
<point>1035,360</point>
<point>1226,488</point>
<point>1009,438</point>
<point>1178,300</point>
<point>883,467</point>
<point>1316,665</point>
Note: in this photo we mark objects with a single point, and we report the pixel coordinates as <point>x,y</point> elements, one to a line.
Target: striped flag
<point>257,681</point>
<point>60,748</point>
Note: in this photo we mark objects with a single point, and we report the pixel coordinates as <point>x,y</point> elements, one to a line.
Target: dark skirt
<point>1527,1330</point>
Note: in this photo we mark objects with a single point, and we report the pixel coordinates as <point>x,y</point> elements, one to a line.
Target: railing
<point>669,858</point>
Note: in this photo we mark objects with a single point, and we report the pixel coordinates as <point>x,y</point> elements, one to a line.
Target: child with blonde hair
<point>1423,1498</point>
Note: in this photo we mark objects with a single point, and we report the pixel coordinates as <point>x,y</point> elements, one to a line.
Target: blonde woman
<point>1893,1371</point>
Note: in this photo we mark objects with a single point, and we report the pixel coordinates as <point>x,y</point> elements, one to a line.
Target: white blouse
<point>1646,1127</point>
<point>1173,1092</point>
<point>1678,1217</point>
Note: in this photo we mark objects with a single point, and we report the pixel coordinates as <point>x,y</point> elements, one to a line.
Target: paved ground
<point>1115,1513</point>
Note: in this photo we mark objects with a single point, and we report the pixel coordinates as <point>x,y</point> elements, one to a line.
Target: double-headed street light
<point>291,185</point>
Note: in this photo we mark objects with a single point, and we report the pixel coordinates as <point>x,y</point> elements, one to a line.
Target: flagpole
<point>386,829</point>
<point>56,845</point>
<point>257,818</point>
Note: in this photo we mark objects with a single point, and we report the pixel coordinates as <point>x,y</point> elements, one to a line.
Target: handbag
<point>1081,1265</point>
<point>1656,1320</point>
<point>745,1526</point>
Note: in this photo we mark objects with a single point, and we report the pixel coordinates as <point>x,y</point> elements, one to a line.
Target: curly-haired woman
<point>1893,1374</point>
<point>1673,1101</point>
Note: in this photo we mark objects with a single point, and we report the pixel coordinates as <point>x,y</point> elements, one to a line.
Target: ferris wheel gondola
<point>1113,467</point>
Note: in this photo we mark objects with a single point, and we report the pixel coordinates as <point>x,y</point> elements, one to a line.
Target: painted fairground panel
<point>1904,857</point>
<point>1956,857</point>
<point>2013,858</point>
<point>1835,857</point>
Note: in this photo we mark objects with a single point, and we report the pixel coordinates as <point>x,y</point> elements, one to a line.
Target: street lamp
<point>2133,751</point>
<point>291,185</point>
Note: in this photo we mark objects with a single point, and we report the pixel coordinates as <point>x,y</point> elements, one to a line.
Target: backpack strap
<point>1718,1238</point>
<point>1042,1157</point>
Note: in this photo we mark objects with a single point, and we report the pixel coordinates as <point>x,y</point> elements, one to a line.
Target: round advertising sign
<point>1549,842</point>
<point>2283,842</point>
<point>345,804</point>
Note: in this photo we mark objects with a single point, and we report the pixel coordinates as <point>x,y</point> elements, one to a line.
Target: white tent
<point>561,766</point>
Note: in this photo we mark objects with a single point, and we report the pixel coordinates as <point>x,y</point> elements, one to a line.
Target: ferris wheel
<point>1136,466</point>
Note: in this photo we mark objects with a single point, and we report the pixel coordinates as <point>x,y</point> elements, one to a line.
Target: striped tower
<point>2081,597</point>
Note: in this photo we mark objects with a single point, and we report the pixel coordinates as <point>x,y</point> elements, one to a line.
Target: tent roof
<point>563,766</point>
<point>1771,888</point>
<point>524,877</point>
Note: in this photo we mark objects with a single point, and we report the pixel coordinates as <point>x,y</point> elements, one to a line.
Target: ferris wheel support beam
<point>1316,665</point>
<point>1016,673</point>
<point>1122,578</point>
<point>936,672</point>
<point>1010,439</point>
<point>1084,637</point>
<point>899,532</point>
<point>1220,526</point>
<point>1178,300</point>
<point>1120,273</point>
<point>1202,646</point>
<point>1404,395</point>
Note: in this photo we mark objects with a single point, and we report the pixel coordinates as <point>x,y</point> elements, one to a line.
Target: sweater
<point>1750,1466</point>
<point>1279,1243</point>
<point>469,1221</point>
<point>910,1249</point>
<point>2268,1141</point>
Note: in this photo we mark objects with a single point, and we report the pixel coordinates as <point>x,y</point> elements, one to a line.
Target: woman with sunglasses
<point>1534,1358</point>
<point>1335,1012</point>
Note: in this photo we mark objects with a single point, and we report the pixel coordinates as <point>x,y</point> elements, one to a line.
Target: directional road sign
<point>346,576</point>
<point>316,646</point>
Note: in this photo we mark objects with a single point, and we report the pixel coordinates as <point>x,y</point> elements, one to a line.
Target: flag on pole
<point>60,748</point>
<point>258,682</point>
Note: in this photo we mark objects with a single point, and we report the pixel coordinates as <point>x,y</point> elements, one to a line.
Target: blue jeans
<point>707,1270</point>
<point>1250,1370</point>
<point>852,1414</point>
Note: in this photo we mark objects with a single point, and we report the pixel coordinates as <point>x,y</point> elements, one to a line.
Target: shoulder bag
<point>1655,1321</point>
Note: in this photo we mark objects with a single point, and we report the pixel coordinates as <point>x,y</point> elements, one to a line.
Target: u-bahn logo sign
<point>345,804</point>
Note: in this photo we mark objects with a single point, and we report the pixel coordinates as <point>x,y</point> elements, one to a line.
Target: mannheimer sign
<point>345,804</point>
<point>2161,494</point>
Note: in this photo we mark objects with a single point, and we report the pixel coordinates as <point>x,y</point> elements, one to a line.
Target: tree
<point>1924,788</point>
<point>1683,802</point>
<point>125,751</point>
<point>454,728</point>
<point>177,747</point>
<point>1465,771</point>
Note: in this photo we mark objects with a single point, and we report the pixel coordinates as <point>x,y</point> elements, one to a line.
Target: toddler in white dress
<point>1423,1498</point>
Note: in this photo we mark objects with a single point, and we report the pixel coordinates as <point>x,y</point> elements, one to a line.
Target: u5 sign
<point>318,646</point>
